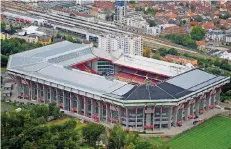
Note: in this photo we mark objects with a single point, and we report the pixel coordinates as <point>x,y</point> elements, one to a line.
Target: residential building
<point>180,60</point>
<point>216,35</point>
<point>120,10</point>
<point>127,44</point>
<point>84,2</point>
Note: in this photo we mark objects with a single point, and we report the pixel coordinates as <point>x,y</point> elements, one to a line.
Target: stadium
<point>142,94</point>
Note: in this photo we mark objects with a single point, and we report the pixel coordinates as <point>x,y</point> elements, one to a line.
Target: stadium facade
<point>142,94</point>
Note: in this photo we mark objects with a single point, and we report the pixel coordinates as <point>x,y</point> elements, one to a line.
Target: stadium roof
<point>175,88</point>
<point>50,63</point>
<point>151,65</point>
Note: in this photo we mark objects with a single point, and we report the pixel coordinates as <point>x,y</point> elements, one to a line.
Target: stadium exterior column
<point>218,96</point>
<point>30,90</point>
<point>175,115</point>
<point>70,102</point>
<point>57,95</point>
<point>18,86</point>
<point>99,110</point>
<point>169,117</point>
<point>107,112</point>
<point>208,102</point>
<point>85,106</point>
<point>78,104</point>
<point>92,108</point>
<point>63,100</point>
<point>197,106</point>
<point>126,117</point>
<point>45,93</point>
<point>51,95</point>
<point>143,116</point>
<point>37,92</point>
<point>119,114</point>
<point>187,111</point>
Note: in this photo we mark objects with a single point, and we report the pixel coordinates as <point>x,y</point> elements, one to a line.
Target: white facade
<point>155,30</point>
<point>228,38</point>
<point>216,35</point>
<point>84,2</point>
<point>120,13</point>
<point>123,43</point>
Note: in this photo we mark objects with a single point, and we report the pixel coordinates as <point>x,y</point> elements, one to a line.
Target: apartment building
<point>127,44</point>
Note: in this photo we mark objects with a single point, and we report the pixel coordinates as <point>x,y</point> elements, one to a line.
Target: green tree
<point>91,133</point>
<point>198,18</point>
<point>3,26</point>
<point>28,145</point>
<point>144,145</point>
<point>198,33</point>
<point>117,137</point>
<point>58,35</point>
<point>152,23</point>
<point>54,110</point>
<point>69,38</point>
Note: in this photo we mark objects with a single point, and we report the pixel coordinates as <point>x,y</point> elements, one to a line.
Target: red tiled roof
<point>200,43</point>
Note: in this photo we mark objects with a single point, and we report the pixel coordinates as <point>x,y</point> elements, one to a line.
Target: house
<point>216,35</point>
<point>180,59</point>
<point>7,86</point>
<point>201,45</point>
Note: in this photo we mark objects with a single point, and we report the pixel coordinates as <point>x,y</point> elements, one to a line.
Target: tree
<point>198,18</point>
<point>144,145</point>
<point>4,60</point>
<point>117,137</point>
<point>3,26</point>
<point>132,2</point>
<point>58,35</point>
<point>156,56</point>
<point>147,52</point>
<point>198,33</point>
<point>69,38</point>
<point>91,133</point>
<point>152,23</point>
<point>28,145</point>
<point>54,110</point>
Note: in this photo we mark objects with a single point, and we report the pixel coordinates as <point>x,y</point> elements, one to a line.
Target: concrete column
<point>92,108</point>
<point>187,111</point>
<point>143,116</point>
<point>78,104</point>
<point>208,102</point>
<point>85,106</point>
<point>17,80</point>
<point>169,117</point>
<point>30,90</point>
<point>175,116</point>
<point>161,111</point>
<point>107,112</point>
<point>51,94</point>
<point>45,94</point>
<point>63,99</point>
<point>197,107</point>
<point>70,102</point>
<point>37,92</point>
<point>99,110</point>
<point>120,114</point>
<point>87,37</point>
<point>126,117</point>
<point>57,95</point>
<point>136,117</point>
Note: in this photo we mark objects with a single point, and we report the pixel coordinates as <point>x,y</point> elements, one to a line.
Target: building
<point>68,75</point>
<point>174,30</point>
<point>127,44</point>
<point>180,60</point>
<point>21,18</point>
<point>216,35</point>
<point>84,2</point>
<point>120,10</point>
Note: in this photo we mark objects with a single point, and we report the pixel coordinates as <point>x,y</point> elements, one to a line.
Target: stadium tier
<point>46,74</point>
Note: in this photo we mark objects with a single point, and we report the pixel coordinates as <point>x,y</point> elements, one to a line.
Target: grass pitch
<point>213,134</point>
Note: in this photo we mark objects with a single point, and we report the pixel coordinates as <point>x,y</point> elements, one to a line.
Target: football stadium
<point>137,92</point>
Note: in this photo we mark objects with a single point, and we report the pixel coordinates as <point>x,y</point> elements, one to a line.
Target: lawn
<point>213,134</point>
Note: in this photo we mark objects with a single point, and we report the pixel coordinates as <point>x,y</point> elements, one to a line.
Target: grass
<point>213,134</point>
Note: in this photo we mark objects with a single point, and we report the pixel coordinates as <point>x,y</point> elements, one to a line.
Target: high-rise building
<point>127,44</point>
<point>120,10</point>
